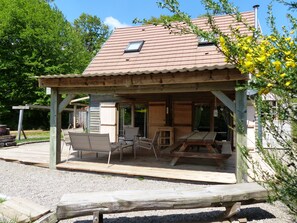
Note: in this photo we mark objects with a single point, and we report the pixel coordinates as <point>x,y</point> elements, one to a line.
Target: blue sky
<point>118,13</point>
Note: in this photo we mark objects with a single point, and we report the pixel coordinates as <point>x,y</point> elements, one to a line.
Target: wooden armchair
<point>150,144</point>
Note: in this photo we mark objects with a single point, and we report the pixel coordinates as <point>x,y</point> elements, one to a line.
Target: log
<point>21,210</point>
<point>82,204</point>
<point>7,138</point>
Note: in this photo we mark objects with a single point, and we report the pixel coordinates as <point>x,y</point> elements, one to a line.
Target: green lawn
<point>32,136</point>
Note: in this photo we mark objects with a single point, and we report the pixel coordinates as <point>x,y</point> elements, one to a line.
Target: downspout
<point>260,132</point>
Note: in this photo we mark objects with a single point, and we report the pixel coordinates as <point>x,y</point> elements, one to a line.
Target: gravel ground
<point>46,187</point>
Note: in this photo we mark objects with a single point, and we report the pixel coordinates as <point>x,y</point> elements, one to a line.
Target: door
<point>108,114</point>
<point>133,115</point>
<point>182,118</point>
<point>157,117</point>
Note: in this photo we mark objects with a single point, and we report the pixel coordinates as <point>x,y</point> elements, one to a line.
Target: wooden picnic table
<point>196,138</point>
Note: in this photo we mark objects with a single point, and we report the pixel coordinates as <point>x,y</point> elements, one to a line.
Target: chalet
<point>147,77</point>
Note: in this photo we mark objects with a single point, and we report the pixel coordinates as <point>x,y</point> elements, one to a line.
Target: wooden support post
<point>74,116</point>
<point>55,129</point>
<point>232,210</point>
<point>241,131</point>
<point>97,217</point>
<point>211,118</point>
<point>20,125</point>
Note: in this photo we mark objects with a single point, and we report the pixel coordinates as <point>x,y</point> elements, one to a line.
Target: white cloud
<point>114,23</point>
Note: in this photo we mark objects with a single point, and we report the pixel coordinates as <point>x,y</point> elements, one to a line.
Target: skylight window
<point>204,42</point>
<point>134,46</point>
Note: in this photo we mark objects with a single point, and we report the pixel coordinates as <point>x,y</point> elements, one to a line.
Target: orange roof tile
<point>162,52</point>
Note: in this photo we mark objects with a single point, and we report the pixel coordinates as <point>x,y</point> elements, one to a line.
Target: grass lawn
<point>32,136</point>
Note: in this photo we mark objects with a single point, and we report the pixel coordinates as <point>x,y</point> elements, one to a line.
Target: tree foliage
<point>158,20</point>
<point>92,31</point>
<point>36,39</point>
<point>272,63</point>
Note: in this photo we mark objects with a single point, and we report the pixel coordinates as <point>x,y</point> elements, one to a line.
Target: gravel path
<point>46,187</point>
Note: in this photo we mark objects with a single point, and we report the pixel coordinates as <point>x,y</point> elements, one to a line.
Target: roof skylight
<point>204,42</point>
<point>134,46</point>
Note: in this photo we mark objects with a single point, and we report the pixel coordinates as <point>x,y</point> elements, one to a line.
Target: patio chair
<point>94,142</point>
<point>150,144</point>
<point>130,133</point>
<point>129,138</point>
<point>66,138</point>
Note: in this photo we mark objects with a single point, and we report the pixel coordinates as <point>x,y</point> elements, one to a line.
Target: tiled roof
<point>162,52</point>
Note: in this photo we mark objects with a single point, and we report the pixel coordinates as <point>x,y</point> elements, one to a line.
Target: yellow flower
<point>248,64</point>
<point>265,42</point>
<point>273,50</point>
<point>245,48</point>
<point>258,74</point>
<point>277,65</point>
<point>290,63</point>
<point>222,40</point>
<point>264,91</point>
<point>287,53</point>
<point>272,38</point>
<point>269,85</point>
<point>288,83</point>
<point>262,59</point>
<point>288,39</point>
<point>249,56</point>
<point>282,75</point>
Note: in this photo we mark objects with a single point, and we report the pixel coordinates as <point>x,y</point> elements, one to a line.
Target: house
<point>146,76</point>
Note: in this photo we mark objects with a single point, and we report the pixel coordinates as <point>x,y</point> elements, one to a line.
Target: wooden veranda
<point>145,164</point>
<point>111,86</point>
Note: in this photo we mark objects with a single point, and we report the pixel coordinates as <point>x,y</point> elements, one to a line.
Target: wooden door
<point>156,117</point>
<point>182,118</point>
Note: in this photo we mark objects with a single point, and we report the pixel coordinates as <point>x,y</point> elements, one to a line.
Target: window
<point>134,46</point>
<point>204,42</point>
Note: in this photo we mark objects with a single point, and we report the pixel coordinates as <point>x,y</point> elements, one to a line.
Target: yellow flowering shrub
<point>271,60</point>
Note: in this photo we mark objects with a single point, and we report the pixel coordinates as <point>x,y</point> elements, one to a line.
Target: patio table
<point>195,138</point>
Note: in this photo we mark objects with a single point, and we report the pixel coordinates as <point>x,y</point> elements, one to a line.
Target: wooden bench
<point>219,157</point>
<point>17,209</point>
<point>99,203</point>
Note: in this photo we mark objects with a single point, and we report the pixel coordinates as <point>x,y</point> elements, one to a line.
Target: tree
<point>272,63</point>
<point>155,21</point>
<point>92,31</point>
<point>35,39</point>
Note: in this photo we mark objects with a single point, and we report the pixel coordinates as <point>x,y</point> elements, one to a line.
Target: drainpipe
<point>260,133</point>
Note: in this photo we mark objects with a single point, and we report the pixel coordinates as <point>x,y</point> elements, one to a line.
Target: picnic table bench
<point>99,203</point>
<point>205,139</point>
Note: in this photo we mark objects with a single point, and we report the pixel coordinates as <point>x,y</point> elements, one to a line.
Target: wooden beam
<point>241,131</point>
<point>223,75</point>
<point>158,89</point>
<point>38,107</point>
<point>55,129</point>
<point>65,102</point>
<point>21,107</point>
<point>225,99</point>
